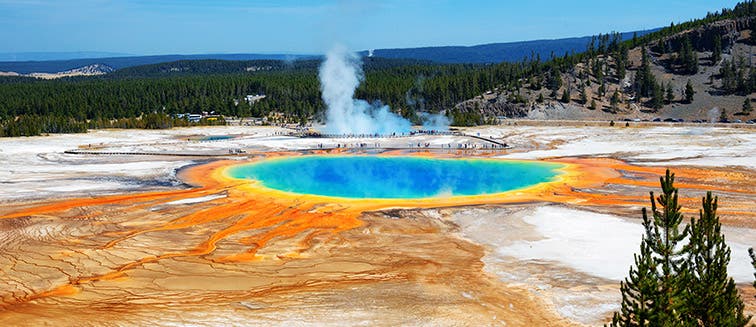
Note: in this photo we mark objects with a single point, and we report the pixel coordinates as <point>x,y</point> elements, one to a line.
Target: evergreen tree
<point>689,92</point>
<point>638,291</point>
<point>729,73</point>
<point>555,81</point>
<point>747,106</point>
<point>670,94</point>
<point>664,239</point>
<point>723,115</point>
<point>687,58</point>
<point>622,58</point>
<point>657,96</point>
<point>644,78</point>
<point>712,298</point>
<point>540,98</point>
<point>566,96</point>
<point>716,52</point>
<point>593,104</point>
<point>583,95</point>
<point>615,100</point>
<point>653,294</point>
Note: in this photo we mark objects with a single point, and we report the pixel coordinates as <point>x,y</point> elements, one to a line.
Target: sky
<point>311,27</point>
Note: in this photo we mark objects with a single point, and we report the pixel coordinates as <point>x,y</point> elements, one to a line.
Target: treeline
<point>606,63</point>
<point>407,86</point>
<point>209,66</point>
<point>87,99</point>
<point>680,274</point>
<point>738,76</point>
<point>745,9</point>
<point>33,125</point>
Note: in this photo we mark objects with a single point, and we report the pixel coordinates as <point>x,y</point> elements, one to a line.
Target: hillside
<point>697,70</point>
<point>217,67</point>
<point>713,55</point>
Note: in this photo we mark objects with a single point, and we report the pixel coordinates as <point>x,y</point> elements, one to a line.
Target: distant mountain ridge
<point>46,56</point>
<point>89,70</point>
<point>494,52</point>
<point>56,66</point>
<point>477,54</point>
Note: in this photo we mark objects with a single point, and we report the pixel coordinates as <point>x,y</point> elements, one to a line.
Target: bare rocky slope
<point>709,101</point>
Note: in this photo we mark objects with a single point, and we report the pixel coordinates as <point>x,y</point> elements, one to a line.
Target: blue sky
<point>287,26</point>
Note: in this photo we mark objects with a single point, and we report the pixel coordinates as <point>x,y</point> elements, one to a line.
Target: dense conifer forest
<point>30,106</point>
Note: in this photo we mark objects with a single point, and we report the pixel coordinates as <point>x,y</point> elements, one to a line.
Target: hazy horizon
<point>140,27</point>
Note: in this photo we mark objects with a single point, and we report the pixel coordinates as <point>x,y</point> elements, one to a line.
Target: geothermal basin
<point>395,176</point>
<point>277,237</point>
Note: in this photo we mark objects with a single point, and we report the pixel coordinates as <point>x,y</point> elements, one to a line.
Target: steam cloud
<point>434,122</point>
<point>713,114</point>
<point>340,75</point>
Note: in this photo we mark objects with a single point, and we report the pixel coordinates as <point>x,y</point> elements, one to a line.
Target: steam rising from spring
<point>340,75</point>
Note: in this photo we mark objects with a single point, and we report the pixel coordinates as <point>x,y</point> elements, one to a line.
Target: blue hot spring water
<point>216,137</point>
<point>394,177</point>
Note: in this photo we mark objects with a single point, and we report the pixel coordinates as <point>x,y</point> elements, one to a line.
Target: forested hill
<point>215,67</point>
<point>701,69</point>
<point>495,52</point>
<point>697,70</point>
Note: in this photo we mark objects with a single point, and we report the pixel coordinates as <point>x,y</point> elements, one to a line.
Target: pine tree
<point>657,96</point>
<point>555,81</point>
<point>670,94</point>
<point>687,57</point>
<point>653,294</point>
<point>716,52</point>
<point>638,291</point>
<point>689,92</point>
<point>644,78</point>
<point>712,298</point>
<point>622,58</point>
<point>593,104</point>
<point>615,100</point>
<point>664,239</point>
<point>747,106</point>
<point>583,95</point>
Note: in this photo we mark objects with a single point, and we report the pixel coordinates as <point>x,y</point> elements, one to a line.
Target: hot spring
<point>394,177</point>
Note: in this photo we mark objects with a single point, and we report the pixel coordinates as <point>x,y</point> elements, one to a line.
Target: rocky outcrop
<point>702,38</point>
<point>492,106</point>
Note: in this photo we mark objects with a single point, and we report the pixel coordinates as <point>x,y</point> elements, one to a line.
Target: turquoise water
<point>216,137</point>
<point>394,177</point>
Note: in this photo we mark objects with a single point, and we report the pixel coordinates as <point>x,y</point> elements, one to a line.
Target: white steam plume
<point>713,115</point>
<point>434,122</point>
<point>340,74</point>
